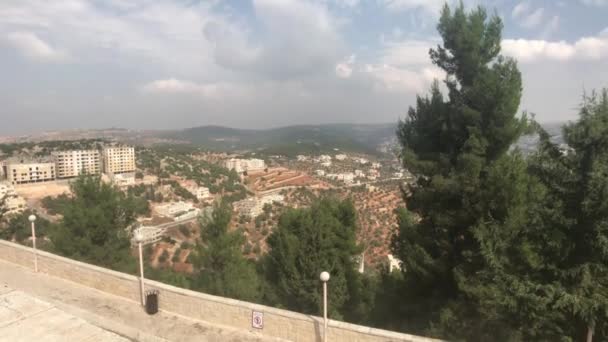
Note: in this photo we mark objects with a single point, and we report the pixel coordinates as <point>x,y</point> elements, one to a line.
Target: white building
<point>362,161</point>
<point>118,159</point>
<point>76,162</point>
<point>242,165</point>
<point>200,192</point>
<point>326,163</point>
<point>13,203</point>
<point>150,234</point>
<point>324,158</point>
<point>320,173</point>
<point>123,179</point>
<point>398,174</point>
<point>252,207</point>
<point>347,178</point>
<point>359,173</point>
<point>249,207</point>
<point>341,157</point>
<point>376,165</point>
<point>177,210</point>
<point>270,199</point>
<point>393,263</point>
<point>301,158</point>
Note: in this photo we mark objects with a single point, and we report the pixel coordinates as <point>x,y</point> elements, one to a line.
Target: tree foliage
<point>223,270</point>
<point>308,241</point>
<point>95,222</point>
<point>467,186</point>
<point>569,275</point>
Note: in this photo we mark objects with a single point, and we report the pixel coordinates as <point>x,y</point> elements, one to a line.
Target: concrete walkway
<point>25,318</point>
<point>63,307</point>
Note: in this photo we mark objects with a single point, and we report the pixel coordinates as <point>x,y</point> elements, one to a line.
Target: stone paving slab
<point>25,318</point>
<point>112,313</point>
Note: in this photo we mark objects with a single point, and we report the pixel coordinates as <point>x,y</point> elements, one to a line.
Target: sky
<point>167,64</point>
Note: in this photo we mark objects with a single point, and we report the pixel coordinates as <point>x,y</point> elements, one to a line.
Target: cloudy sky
<point>267,63</point>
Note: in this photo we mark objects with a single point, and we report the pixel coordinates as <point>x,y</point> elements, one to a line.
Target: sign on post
<point>257,319</point>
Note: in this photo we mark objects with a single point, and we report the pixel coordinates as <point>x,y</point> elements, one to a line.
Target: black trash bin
<point>152,302</point>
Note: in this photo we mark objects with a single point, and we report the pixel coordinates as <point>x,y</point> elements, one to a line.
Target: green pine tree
<point>223,270</point>
<point>574,225</point>
<point>95,223</point>
<point>468,184</point>
<point>308,241</point>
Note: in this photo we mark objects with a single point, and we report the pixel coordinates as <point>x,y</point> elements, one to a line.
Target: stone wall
<point>216,310</point>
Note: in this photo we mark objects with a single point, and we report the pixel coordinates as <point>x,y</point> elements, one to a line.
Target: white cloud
<point>403,80</point>
<point>34,48</point>
<point>176,86</point>
<point>143,33</point>
<point>520,9</point>
<point>344,69</point>
<point>534,19</point>
<point>433,6</point>
<point>586,48</point>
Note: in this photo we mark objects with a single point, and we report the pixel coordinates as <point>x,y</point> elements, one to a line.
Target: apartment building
<point>20,172</point>
<point>242,165</point>
<point>76,162</point>
<point>12,201</point>
<point>119,159</point>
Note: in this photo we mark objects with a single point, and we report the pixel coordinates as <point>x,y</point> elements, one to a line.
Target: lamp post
<point>324,278</point>
<point>139,238</point>
<point>32,220</point>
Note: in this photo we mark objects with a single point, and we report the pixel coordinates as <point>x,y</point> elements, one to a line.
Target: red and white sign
<point>257,320</point>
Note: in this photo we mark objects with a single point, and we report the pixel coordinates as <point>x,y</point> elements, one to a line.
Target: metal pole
<point>141,274</point>
<point>325,311</point>
<point>34,245</point>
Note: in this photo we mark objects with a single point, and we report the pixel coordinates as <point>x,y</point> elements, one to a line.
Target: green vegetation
<point>185,231</point>
<point>94,225</point>
<point>306,242</point>
<point>305,139</point>
<point>18,229</point>
<point>172,161</point>
<point>471,186</point>
<point>223,269</point>
<point>495,245</point>
<point>55,205</point>
<point>44,148</point>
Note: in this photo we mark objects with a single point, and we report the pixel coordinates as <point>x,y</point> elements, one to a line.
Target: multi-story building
<point>252,207</point>
<point>20,172</point>
<point>119,159</point>
<point>200,192</point>
<point>13,203</point>
<point>76,162</point>
<point>242,165</point>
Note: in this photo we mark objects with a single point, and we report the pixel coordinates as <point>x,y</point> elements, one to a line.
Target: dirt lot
<point>38,191</point>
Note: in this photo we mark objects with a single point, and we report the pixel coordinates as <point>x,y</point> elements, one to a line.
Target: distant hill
<point>291,140</point>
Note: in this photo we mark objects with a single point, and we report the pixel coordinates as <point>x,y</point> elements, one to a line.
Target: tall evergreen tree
<point>308,241</point>
<point>223,270</point>
<point>95,222</point>
<point>574,258</point>
<point>468,184</point>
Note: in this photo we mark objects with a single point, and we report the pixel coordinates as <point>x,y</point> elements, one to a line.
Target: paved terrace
<point>69,300</point>
<point>45,308</point>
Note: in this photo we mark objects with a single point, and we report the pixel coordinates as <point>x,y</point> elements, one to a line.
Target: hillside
<point>291,140</point>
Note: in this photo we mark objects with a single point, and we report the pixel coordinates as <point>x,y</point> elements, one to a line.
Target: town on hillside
<point>176,188</point>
